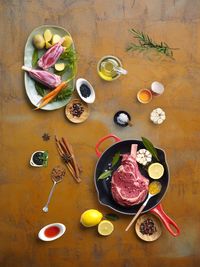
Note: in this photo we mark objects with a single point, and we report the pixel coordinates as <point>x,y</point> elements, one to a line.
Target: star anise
<point>46,137</point>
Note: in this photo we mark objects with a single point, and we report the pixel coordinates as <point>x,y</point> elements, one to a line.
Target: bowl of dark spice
<point>148,227</point>
<point>85,90</point>
<point>39,159</point>
<point>77,111</point>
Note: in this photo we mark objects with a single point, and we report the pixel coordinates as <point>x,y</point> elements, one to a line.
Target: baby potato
<point>48,45</point>
<point>67,42</point>
<point>38,41</point>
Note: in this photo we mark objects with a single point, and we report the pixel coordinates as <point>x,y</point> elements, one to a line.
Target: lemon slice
<point>59,66</point>
<point>156,170</point>
<point>105,228</point>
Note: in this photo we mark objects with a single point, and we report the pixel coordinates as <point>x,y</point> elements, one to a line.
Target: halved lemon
<point>156,170</point>
<point>105,228</point>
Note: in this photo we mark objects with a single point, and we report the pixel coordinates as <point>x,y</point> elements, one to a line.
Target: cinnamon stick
<point>72,154</point>
<point>61,153</point>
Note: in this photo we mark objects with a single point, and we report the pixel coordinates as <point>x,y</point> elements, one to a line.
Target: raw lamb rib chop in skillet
<point>128,186</point>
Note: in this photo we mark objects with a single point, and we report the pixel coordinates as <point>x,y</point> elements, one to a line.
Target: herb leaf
<point>35,58</point>
<point>104,175</point>
<point>41,89</point>
<point>115,159</point>
<point>44,159</point>
<point>150,147</point>
<point>64,94</point>
<point>70,58</point>
<point>145,43</point>
<point>111,217</point>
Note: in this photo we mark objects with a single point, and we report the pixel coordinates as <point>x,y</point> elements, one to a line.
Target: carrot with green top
<point>47,98</point>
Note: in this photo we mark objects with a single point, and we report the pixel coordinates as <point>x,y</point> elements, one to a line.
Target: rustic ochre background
<point>99,27</point>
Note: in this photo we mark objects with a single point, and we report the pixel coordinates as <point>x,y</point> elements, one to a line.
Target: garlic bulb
<point>143,156</point>
<point>157,116</point>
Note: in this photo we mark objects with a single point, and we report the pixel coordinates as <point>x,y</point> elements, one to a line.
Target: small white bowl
<point>42,236</point>
<point>90,99</point>
<point>31,160</point>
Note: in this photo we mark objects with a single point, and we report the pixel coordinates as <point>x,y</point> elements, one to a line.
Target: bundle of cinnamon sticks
<point>66,152</point>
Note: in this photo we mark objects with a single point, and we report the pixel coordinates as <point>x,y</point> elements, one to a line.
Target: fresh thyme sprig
<point>146,43</point>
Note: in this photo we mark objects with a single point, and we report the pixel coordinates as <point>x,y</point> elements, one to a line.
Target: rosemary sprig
<point>146,43</point>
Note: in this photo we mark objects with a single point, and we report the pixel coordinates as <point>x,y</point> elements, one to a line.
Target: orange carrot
<point>47,98</point>
<point>57,89</point>
<point>44,103</point>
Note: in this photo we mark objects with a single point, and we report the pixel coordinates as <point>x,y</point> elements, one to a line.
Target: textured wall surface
<point>99,27</point>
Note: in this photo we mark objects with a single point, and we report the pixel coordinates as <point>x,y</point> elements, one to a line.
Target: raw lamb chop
<point>128,186</point>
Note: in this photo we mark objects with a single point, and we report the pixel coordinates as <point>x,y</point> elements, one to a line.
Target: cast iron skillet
<point>103,187</point>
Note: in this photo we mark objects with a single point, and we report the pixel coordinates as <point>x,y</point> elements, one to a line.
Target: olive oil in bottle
<point>107,68</point>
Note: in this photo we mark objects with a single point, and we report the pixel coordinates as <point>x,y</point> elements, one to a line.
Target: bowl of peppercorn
<point>148,227</point>
<point>77,111</point>
<point>85,90</point>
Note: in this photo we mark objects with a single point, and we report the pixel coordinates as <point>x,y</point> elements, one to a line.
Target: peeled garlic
<point>143,156</point>
<point>157,116</point>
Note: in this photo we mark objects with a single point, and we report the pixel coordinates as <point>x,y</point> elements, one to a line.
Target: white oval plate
<point>31,91</point>
<point>89,99</point>
<point>42,236</point>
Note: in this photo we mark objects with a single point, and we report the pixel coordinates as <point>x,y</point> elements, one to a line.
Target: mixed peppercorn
<point>147,227</point>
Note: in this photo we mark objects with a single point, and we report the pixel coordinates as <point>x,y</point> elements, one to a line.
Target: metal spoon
<point>150,195</point>
<point>55,181</point>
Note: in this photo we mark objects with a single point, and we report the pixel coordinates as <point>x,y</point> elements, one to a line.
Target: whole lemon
<point>91,218</point>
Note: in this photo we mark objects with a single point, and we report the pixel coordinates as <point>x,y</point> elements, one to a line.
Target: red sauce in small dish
<point>52,231</point>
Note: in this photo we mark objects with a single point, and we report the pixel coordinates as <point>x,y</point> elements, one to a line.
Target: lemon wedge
<point>105,228</point>
<point>91,218</point>
<point>156,170</point>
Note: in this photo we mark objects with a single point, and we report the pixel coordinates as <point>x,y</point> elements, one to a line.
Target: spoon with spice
<point>57,175</point>
<point>154,189</point>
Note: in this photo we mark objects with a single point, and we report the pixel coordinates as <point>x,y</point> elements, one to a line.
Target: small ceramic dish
<point>117,115</point>
<point>90,99</point>
<point>51,232</point>
<point>144,96</point>
<point>157,88</point>
<point>76,119</point>
<point>146,237</point>
<point>32,163</point>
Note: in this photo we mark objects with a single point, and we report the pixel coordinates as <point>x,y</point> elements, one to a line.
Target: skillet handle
<point>167,221</point>
<point>117,139</point>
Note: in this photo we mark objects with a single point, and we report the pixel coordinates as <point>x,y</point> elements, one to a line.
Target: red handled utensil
<point>103,187</point>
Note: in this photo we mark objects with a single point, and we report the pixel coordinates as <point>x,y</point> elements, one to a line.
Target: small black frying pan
<point>103,187</point>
